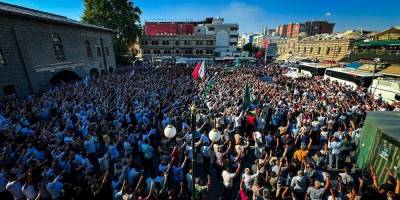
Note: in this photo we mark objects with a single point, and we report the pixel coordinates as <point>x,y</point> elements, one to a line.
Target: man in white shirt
<point>334,151</point>
<point>248,178</point>
<point>238,120</point>
<point>227,180</point>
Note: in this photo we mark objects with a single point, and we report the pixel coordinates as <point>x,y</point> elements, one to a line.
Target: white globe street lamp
<point>170,131</point>
<point>214,135</point>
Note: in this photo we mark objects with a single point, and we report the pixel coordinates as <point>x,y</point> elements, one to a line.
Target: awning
<point>392,70</point>
<point>299,58</point>
<point>283,57</point>
<point>368,67</point>
<point>294,75</point>
<point>354,65</point>
<point>378,43</point>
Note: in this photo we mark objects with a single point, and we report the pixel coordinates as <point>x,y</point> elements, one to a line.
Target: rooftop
<point>15,10</point>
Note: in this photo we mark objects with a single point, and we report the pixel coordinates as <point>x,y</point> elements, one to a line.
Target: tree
<point>250,48</point>
<point>120,15</point>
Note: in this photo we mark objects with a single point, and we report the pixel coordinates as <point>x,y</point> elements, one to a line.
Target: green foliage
<point>250,48</point>
<point>120,15</point>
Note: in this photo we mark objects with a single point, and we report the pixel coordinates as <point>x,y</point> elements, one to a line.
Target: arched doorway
<point>94,72</point>
<point>64,76</point>
<point>110,70</point>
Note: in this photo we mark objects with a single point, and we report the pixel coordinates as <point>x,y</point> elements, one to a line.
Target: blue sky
<point>252,15</point>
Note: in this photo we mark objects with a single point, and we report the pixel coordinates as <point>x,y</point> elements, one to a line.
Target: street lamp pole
<point>193,127</point>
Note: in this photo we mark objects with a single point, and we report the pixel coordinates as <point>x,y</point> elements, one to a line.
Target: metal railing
<point>376,52</point>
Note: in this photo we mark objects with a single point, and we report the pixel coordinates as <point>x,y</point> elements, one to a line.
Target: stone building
<point>38,49</point>
<point>322,47</point>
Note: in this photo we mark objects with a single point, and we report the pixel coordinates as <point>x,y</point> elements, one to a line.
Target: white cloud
<point>328,14</point>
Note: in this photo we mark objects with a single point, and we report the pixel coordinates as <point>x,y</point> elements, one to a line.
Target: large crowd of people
<point>104,138</point>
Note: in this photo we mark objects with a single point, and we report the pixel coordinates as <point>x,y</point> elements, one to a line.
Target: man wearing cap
<point>334,151</point>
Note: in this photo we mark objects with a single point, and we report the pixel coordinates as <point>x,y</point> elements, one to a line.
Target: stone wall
<point>36,50</point>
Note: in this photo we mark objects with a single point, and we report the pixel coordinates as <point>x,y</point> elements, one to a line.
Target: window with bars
<point>58,47</point>
<point>88,49</point>
<point>98,51</point>
<point>2,59</point>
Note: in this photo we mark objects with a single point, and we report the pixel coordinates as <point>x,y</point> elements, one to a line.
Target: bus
<point>388,88</point>
<point>351,77</point>
<point>312,69</point>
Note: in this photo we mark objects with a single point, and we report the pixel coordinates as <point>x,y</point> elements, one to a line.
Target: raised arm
<point>238,169</point>
<point>184,161</point>
<point>151,190</point>
<point>327,185</point>
<point>309,144</point>
<point>374,177</point>
<point>139,183</point>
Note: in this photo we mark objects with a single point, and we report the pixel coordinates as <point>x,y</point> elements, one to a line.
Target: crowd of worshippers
<point>104,138</point>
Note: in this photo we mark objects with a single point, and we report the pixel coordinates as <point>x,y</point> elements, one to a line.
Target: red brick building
<point>282,30</point>
<point>294,29</point>
<point>175,28</point>
<point>310,27</point>
<point>318,27</point>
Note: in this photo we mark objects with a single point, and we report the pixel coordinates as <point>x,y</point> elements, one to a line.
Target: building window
<point>298,49</point>
<point>339,50</point>
<point>211,29</point>
<point>9,89</point>
<point>234,28</point>
<point>58,48</point>
<point>107,51</point>
<point>2,59</point>
<point>319,50</point>
<point>176,42</point>
<point>177,51</point>
<point>165,42</point>
<point>88,49</point>
<point>311,49</point>
<point>198,30</point>
<point>98,51</point>
<point>304,49</point>
<point>328,50</point>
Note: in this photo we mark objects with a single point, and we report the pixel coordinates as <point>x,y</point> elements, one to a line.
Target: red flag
<point>265,44</point>
<point>259,54</point>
